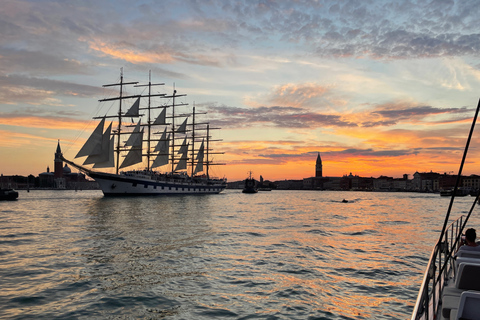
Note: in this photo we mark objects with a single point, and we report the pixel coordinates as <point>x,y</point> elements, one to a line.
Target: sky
<point>376,87</point>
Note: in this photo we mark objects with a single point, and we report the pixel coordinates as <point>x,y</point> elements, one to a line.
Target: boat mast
<point>173,130</point>
<point>193,140</point>
<point>119,129</point>
<point>208,150</point>
<point>120,98</point>
<point>149,108</point>
<point>149,118</point>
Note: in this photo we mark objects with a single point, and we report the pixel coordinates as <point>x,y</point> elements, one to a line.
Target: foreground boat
<point>451,283</point>
<point>8,194</point>
<point>187,163</point>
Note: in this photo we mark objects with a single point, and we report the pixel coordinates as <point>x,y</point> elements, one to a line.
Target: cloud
<point>42,122</point>
<point>38,63</point>
<point>283,117</point>
<point>406,112</point>
<point>16,89</point>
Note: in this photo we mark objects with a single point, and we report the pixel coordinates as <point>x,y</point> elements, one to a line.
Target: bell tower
<point>58,169</point>
<point>318,167</point>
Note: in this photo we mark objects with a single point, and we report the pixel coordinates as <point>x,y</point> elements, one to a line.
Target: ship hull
<point>152,185</point>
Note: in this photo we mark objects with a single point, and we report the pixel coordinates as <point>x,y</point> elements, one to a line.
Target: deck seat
<point>465,259</point>
<point>468,308</point>
<point>449,304</point>
<point>466,279</point>
<point>468,254</point>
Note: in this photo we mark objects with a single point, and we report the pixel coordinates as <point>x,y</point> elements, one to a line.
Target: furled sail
<point>134,156</point>
<point>200,155</point>
<point>183,127</point>
<point>134,110</point>
<point>104,155</point>
<point>162,117</point>
<point>94,143</point>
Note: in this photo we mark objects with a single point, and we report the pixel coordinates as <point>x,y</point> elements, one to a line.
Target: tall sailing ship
<point>170,140</point>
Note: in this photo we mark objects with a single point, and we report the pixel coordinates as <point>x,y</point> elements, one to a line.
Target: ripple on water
<point>289,255</point>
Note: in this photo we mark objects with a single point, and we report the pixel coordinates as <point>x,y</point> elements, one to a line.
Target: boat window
<point>134,184</point>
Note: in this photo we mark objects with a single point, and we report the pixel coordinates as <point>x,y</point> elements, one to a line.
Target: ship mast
<point>173,130</point>
<point>208,153</point>
<point>120,98</point>
<point>149,108</point>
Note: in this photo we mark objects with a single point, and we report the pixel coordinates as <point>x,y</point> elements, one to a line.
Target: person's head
<point>470,235</point>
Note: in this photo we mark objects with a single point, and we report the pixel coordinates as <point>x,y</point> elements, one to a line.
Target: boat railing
<point>440,267</point>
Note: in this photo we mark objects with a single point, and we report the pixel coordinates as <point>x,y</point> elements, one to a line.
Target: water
<point>271,255</point>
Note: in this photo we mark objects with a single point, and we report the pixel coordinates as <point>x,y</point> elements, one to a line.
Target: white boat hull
<point>131,185</point>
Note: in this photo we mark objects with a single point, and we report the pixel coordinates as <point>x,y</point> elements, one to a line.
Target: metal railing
<point>439,270</point>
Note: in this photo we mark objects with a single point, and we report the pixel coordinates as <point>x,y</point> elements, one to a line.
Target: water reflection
<point>279,254</point>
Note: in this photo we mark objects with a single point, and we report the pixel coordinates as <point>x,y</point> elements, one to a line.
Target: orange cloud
<point>55,123</point>
<point>130,53</point>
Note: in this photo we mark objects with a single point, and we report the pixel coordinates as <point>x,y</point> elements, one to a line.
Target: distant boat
<point>264,189</point>
<point>8,194</point>
<point>187,163</point>
<point>460,192</point>
<point>250,185</point>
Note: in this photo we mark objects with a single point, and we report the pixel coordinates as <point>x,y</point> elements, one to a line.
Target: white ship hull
<point>137,184</point>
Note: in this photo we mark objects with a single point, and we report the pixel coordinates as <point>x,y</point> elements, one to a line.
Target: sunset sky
<point>377,87</point>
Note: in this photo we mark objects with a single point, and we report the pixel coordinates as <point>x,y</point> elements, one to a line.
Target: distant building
<point>62,177</point>
<point>317,182</point>
<point>318,167</point>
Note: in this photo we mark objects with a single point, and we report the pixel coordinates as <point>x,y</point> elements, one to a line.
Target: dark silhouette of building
<point>58,168</point>
<point>318,167</point>
<point>63,177</point>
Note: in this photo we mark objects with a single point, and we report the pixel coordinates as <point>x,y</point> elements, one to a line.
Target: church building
<point>62,176</point>
<point>318,167</point>
<point>318,180</point>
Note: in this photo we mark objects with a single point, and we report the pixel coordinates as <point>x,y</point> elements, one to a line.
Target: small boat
<point>250,186</point>
<point>174,140</point>
<point>460,192</point>
<point>451,284</point>
<point>8,194</point>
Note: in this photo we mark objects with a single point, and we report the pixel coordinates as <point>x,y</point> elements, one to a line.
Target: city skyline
<point>378,88</point>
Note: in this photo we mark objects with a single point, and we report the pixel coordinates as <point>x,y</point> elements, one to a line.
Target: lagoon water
<point>270,255</point>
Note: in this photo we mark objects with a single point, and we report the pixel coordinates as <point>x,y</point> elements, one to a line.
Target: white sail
<point>162,144</point>
<point>133,112</point>
<point>160,160</point>
<point>200,155</point>
<point>184,147</point>
<point>162,117</point>
<point>93,145</point>
<point>111,159</point>
<point>162,149</point>
<point>134,136</point>
<point>134,156</point>
<point>181,165</point>
<point>183,127</point>
<point>104,155</point>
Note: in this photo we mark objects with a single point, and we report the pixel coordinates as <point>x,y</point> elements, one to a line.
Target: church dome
<point>66,169</point>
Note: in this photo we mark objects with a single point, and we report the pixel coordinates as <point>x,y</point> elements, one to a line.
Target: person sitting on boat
<point>469,244</point>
